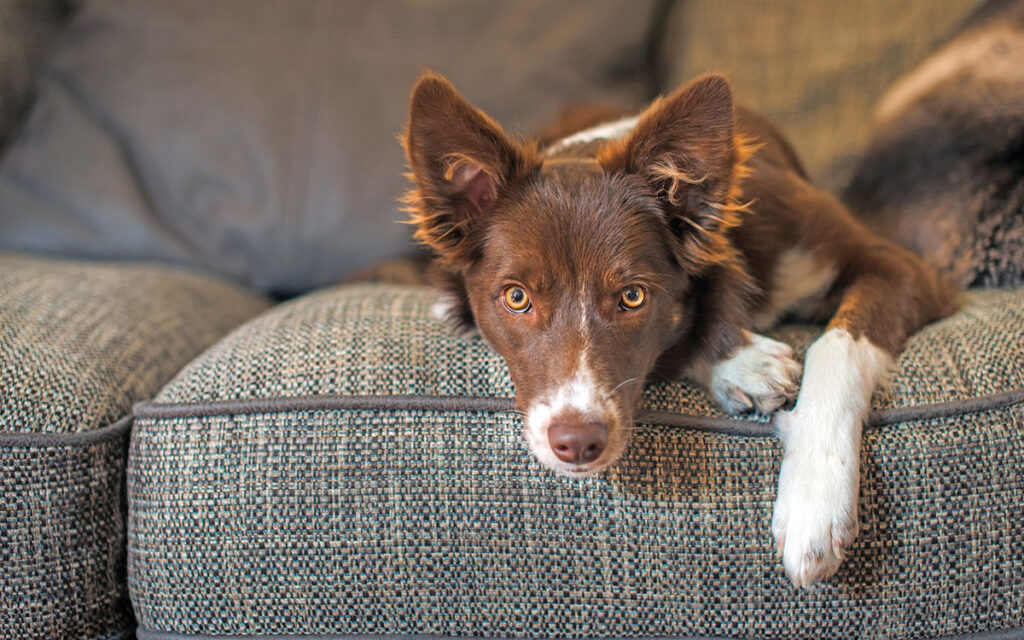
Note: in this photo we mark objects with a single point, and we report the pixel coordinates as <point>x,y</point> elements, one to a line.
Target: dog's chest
<point>800,282</point>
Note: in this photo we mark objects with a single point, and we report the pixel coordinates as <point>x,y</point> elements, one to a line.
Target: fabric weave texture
<point>378,340</point>
<point>79,343</point>
<point>347,518</point>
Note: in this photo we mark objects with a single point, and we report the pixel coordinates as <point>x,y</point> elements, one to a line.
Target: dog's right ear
<point>686,147</point>
<point>461,162</point>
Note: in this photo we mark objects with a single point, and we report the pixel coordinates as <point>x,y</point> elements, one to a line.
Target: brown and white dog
<point>654,246</point>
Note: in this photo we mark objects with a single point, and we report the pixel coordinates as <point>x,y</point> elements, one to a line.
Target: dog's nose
<point>578,442</point>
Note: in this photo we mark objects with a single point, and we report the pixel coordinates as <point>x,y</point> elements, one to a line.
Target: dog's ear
<point>461,162</point>
<point>685,146</point>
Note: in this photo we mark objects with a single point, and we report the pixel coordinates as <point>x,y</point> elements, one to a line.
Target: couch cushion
<point>381,341</point>
<point>257,138</point>
<point>346,465</point>
<point>79,343</point>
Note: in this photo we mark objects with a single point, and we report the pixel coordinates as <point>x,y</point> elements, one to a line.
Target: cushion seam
<point>715,424</point>
<point>111,432</point>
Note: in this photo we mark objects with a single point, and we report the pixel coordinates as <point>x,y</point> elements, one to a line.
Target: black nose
<point>578,442</point>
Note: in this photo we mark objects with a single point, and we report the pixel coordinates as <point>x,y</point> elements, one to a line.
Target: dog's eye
<point>516,299</point>
<point>633,297</point>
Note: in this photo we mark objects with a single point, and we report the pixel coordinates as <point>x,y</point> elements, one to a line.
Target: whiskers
<point>624,383</point>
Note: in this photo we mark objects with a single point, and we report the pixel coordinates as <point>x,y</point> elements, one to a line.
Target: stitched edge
<point>146,634</point>
<point>729,426</point>
<point>96,436</point>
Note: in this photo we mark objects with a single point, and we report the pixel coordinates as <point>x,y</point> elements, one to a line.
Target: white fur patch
<point>799,281</point>
<point>581,394</point>
<point>607,131</point>
<point>761,376</point>
<point>584,321</point>
<point>443,309</point>
<point>815,517</point>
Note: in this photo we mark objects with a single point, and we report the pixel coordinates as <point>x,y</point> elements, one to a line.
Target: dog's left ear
<point>461,162</point>
<point>684,145</point>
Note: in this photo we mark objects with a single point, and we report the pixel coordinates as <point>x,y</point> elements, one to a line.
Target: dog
<point>655,246</point>
<point>942,172</point>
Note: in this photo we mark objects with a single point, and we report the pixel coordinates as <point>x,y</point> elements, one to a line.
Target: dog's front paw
<point>761,376</point>
<point>815,519</point>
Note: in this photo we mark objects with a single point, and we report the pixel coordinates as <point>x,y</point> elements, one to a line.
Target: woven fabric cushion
<point>346,465</point>
<point>79,343</point>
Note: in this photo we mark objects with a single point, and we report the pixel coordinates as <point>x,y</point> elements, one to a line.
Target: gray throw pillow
<point>257,138</point>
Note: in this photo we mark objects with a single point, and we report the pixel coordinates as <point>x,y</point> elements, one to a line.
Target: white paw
<point>761,376</point>
<point>815,519</point>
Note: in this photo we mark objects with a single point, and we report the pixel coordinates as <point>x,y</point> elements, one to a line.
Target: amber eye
<point>516,299</point>
<point>633,297</point>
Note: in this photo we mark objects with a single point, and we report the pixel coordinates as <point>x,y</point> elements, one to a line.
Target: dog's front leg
<point>815,516</point>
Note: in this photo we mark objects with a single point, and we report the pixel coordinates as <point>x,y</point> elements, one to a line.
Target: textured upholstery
<point>79,343</point>
<point>345,465</point>
<point>370,340</point>
<point>62,557</point>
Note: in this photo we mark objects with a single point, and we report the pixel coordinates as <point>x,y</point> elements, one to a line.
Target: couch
<point>198,440</point>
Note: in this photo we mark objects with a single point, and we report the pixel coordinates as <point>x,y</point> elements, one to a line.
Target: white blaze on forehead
<point>608,131</point>
<point>584,328</point>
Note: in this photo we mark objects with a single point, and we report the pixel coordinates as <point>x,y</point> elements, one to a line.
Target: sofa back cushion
<point>257,138</point>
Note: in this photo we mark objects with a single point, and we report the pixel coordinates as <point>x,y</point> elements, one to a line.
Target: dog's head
<point>581,271</point>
